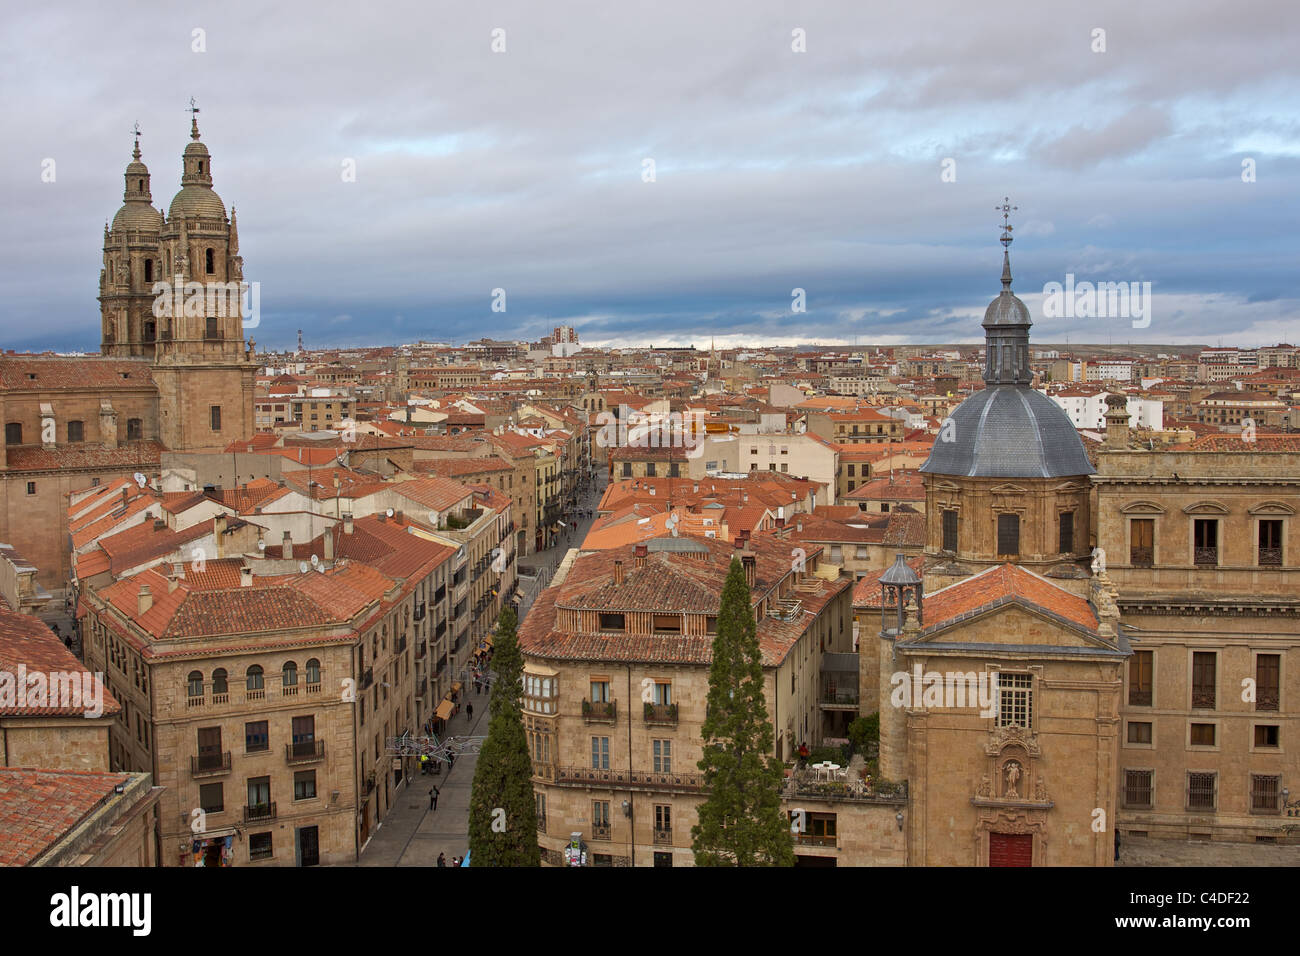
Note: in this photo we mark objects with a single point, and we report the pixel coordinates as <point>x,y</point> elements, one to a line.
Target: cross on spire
<point>1006,209</point>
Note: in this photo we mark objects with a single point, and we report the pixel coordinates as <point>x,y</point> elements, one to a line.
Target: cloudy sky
<point>527,170</point>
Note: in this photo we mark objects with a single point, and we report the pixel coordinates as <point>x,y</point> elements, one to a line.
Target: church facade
<point>166,378</point>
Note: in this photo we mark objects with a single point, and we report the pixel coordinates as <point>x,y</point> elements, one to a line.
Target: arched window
<point>289,676</point>
<point>142,185</point>
<point>219,685</point>
<point>209,261</point>
<point>255,680</point>
<point>195,684</point>
<point>313,671</point>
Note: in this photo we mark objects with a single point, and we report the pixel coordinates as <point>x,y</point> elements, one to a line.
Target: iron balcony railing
<point>304,751</point>
<point>259,812</point>
<point>210,763</point>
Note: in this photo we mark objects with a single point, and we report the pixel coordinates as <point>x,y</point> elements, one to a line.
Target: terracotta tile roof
<point>1262,443</point>
<point>1007,582</point>
<point>144,542</point>
<point>75,372</point>
<point>248,496</point>
<point>27,641</point>
<point>144,455</point>
<point>899,486</point>
<point>457,467</point>
<point>38,807</point>
<point>431,492</point>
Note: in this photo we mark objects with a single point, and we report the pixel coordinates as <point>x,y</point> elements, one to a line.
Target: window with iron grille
<point>1015,700</point>
<point>950,530</point>
<point>1009,534</point>
<point>1139,678</point>
<point>1268,676</point>
<point>1201,791</point>
<point>1067,533</point>
<point>1203,682</point>
<point>1270,541</point>
<point>1264,794</point>
<point>1205,536</point>
<point>1137,789</point>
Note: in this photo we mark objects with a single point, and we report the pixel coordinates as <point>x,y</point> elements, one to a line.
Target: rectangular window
<point>663,817</point>
<point>1203,680</point>
<point>599,691</point>
<point>13,433</point>
<point>1009,534</point>
<point>950,530</point>
<point>210,752</point>
<point>599,753</point>
<point>600,813</point>
<point>1137,789</point>
<point>1270,542</point>
<point>1142,536</point>
<point>134,429</point>
<point>257,736</point>
<point>667,624</point>
<point>1202,735</point>
<point>1139,732</point>
<point>214,417</point>
<point>259,791</point>
<point>627,469</point>
<point>1268,681</point>
<point>1201,791</point>
<point>31,487</point>
<point>1265,792</point>
<point>650,469</point>
<point>1067,533</point>
<point>304,785</point>
<point>212,798</point>
<point>611,622</point>
<point>1205,536</point>
<point>1015,700</point>
<point>210,328</point>
<point>1139,678</point>
<point>259,846</point>
<point>663,693</point>
<point>663,756</point>
<point>76,431</point>
<point>1266,735</point>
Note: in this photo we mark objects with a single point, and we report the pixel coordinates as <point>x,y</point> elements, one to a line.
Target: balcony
<point>1270,557</point>
<point>210,764</point>
<point>304,751</point>
<point>600,711</point>
<point>541,823</point>
<point>421,649</point>
<point>663,836</point>
<point>838,700</point>
<point>622,779</point>
<point>421,687</point>
<point>401,645</point>
<point>661,714</point>
<point>421,610</point>
<point>814,839</point>
<point>601,831</point>
<point>1206,557</point>
<point>259,813</point>
<point>1203,698</point>
<point>367,678</point>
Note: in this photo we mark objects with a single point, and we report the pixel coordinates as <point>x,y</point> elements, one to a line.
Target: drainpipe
<point>631,794</point>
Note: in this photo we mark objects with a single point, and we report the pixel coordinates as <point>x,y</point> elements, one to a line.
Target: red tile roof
<point>1007,582</point>
<point>26,641</point>
<point>39,807</point>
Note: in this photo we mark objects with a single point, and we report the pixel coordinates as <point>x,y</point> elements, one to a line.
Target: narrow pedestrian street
<point>412,834</point>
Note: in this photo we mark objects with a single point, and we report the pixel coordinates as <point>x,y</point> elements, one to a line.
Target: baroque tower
<point>131,266</point>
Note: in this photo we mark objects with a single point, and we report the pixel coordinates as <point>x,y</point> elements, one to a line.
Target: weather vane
<point>1006,209</point>
<point>193,108</point>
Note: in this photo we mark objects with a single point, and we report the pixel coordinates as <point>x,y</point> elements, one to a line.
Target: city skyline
<point>774,170</point>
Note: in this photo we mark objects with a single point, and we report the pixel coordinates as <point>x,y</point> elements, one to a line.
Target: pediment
<point>1012,621</point>
<point>1272,508</point>
<point>1008,488</point>
<point>1205,508</point>
<point>1142,508</point>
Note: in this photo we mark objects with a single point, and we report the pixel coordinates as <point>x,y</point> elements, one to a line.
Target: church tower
<point>131,267</point>
<point>203,370</point>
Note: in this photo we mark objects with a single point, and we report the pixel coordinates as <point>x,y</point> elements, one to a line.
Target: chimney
<point>399,517</point>
<point>178,569</point>
<point>618,572</point>
<point>750,563</point>
<point>347,522</point>
<point>329,545</point>
<point>159,524</point>
<point>641,552</point>
<point>245,577</point>
<point>1116,421</point>
<point>173,582</point>
<point>144,600</point>
<point>286,545</point>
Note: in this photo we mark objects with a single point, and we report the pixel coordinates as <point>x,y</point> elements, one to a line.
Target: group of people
<point>455,860</point>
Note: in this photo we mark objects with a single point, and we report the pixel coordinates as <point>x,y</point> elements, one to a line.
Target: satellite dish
<point>302,566</point>
<point>389,512</point>
<point>261,545</point>
<point>315,560</point>
<point>140,479</point>
<point>433,519</point>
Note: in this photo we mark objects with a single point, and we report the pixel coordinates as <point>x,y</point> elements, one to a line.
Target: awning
<point>487,641</point>
<point>455,687</point>
<point>444,710</point>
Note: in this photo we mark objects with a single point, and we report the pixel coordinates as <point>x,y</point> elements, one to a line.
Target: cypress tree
<point>741,823</point>
<point>503,774</point>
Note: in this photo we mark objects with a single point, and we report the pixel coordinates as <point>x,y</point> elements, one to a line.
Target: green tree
<point>502,811</point>
<point>741,823</point>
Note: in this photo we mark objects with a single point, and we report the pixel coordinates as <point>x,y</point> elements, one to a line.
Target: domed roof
<point>194,200</point>
<point>1006,309</point>
<point>138,215</point>
<point>1009,431</point>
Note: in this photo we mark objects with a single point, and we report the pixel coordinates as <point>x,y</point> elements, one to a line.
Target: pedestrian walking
<point>469,711</point>
<point>442,859</point>
<point>433,799</point>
